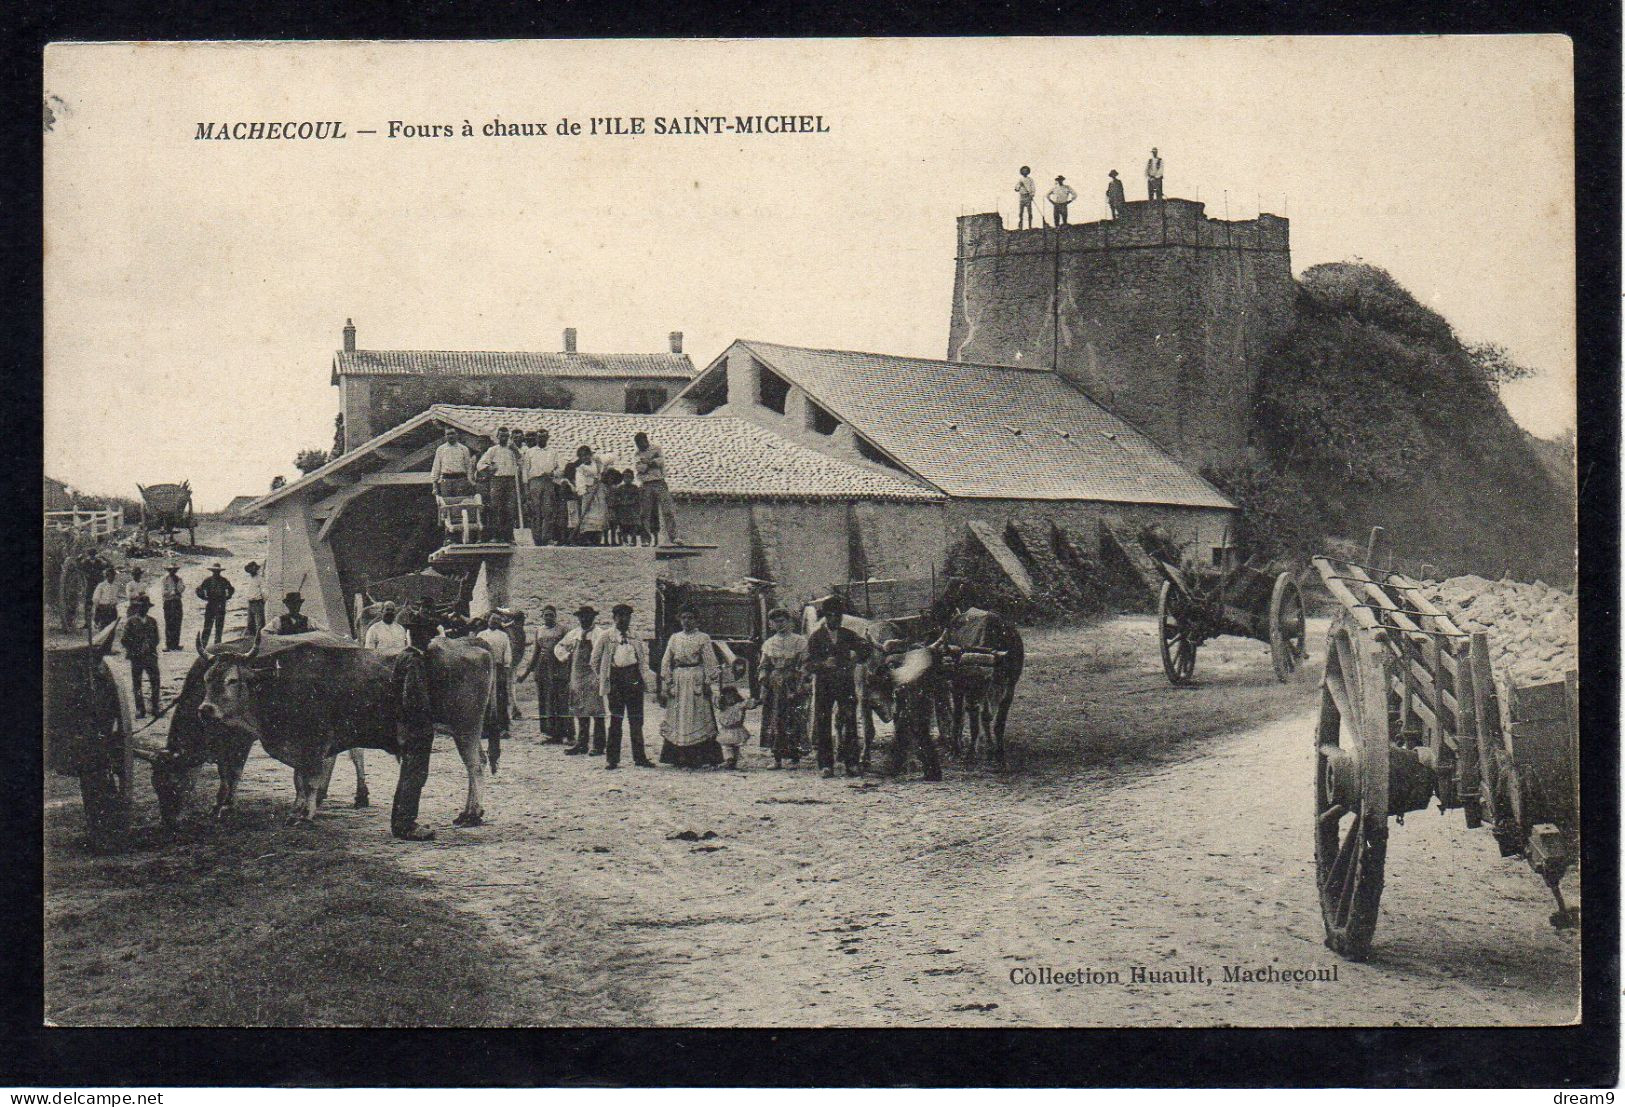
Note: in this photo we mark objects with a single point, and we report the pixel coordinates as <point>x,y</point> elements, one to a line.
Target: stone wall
<point>804,545</point>
<point>1163,314</point>
<point>569,576</point>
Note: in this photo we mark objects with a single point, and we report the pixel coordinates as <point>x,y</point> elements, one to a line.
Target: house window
<point>773,389</point>
<point>644,401</point>
<point>820,420</point>
<point>869,453</point>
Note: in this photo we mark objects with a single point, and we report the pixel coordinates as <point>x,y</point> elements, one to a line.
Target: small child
<point>731,731</point>
<point>611,489</point>
<point>625,509</point>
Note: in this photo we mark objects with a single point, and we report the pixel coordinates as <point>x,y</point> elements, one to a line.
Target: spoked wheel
<point>1175,636</point>
<point>106,774</point>
<point>1351,790</point>
<point>1288,630</point>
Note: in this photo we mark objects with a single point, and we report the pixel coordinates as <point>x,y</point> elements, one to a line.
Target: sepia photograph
<point>987,533</point>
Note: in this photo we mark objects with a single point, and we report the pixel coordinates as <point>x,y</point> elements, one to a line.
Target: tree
<point>310,460</point>
<point>338,435</point>
<point>1496,365</point>
<point>278,481</point>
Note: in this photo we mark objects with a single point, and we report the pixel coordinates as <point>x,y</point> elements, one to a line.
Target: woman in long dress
<point>593,495</point>
<point>784,689</point>
<point>586,703</point>
<point>688,673</point>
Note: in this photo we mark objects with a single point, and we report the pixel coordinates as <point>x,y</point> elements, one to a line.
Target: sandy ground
<point>1137,826</point>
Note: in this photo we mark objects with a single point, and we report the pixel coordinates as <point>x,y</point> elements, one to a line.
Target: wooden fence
<point>92,524</point>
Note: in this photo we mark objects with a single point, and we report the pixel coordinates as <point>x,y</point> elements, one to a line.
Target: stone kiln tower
<point>1162,315</point>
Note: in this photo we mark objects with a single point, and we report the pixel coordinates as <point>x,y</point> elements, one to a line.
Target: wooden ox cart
<point>90,734</point>
<point>167,508</point>
<point>1197,603</point>
<point>1409,711</point>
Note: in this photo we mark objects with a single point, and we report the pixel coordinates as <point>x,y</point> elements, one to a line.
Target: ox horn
<point>202,650</point>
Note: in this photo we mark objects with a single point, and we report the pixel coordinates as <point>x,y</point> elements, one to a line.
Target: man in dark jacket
<point>832,652</point>
<point>214,592</point>
<point>292,621</point>
<point>140,642</point>
<point>1114,195</point>
<point>91,570</point>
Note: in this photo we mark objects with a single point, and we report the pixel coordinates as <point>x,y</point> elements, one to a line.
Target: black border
<point>1586,1055</point>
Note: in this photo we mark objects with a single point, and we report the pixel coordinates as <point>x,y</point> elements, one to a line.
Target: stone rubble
<point>1532,628</point>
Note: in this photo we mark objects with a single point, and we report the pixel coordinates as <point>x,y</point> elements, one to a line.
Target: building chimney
<point>569,340</point>
<point>676,342</point>
<point>349,336</point>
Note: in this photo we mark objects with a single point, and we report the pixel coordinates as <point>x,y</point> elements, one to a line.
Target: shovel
<point>521,533</point>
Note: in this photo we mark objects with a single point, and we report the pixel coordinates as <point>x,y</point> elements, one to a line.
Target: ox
<point>899,687</point>
<point>310,697</point>
<point>981,655</point>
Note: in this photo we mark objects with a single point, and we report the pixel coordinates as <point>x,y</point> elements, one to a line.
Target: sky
<point>196,290</point>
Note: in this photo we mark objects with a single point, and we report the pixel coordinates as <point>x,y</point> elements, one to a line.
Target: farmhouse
<point>767,507</point>
<point>1015,448</point>
<point>380,389</point>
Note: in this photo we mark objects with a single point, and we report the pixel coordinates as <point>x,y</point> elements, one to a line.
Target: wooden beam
<point>386,479</point>
<point>326,508</point>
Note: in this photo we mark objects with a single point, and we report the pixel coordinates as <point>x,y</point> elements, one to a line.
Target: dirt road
<point>868,903</point>
<point>1137,826</point>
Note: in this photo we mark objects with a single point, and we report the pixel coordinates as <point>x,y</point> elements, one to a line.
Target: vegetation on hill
<point>1372,412</point>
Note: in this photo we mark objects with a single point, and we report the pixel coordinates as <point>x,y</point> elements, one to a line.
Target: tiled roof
<point>705,455</point>
<point>498,363</point>
<point>989,430</point>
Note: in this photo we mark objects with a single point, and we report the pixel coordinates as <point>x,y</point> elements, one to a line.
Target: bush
<point>308,461</point>
<point>1370,411</point>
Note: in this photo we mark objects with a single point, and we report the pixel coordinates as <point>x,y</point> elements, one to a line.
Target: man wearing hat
<point>1059,197</point>
<point>291,621</point>
<point>1026,189</point>
<point>1114,195</point>
<point>140,642</point>
<point>137,585</point>
<point>214,592</point>
<point>586,701</point>
<point>832,652</point>
<point>622,664</point>
<point>254,592</point>
<point>173,590</point>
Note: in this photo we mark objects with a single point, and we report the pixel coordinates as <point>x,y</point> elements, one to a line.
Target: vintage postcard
<point>986,533</point>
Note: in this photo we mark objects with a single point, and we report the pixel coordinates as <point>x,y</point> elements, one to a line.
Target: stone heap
<point>1532,628</point>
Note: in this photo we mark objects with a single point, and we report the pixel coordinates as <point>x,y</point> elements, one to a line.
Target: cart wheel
<point>1351,790</point>
<point>1178,650</point>
<point>105,779</point>
<point>1288,633</point>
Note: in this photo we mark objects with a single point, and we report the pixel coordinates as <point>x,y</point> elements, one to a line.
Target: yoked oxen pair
<point>309,697</point>
<point>969,672</point>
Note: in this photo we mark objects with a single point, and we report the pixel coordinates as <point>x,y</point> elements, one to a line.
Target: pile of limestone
<point>1532,628</point>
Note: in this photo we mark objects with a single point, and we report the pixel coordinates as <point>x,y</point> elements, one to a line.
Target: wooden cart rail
<point>1410,711</point>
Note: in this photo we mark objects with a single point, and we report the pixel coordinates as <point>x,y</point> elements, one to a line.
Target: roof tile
<point>990,430</point>
<point>706,455</point>
<point>517,363</point>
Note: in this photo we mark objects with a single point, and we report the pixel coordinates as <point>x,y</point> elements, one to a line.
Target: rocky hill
<point>1371,411</point>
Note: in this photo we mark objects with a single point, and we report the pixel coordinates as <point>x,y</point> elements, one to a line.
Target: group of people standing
<point>107,600</point>
<point>585,500</point>
<point>593,681</point>
<point>1062,194</point>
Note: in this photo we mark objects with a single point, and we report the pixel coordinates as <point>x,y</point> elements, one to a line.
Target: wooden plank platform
<point>473,551</point>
